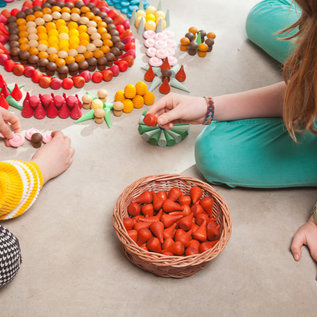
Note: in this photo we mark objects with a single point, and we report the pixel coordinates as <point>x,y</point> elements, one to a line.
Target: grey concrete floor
<point>72,260</point>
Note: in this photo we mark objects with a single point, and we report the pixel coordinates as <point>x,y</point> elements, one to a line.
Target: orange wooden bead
<point>98,53</point>
<point>20,21</point>
<point>69,59</point>
<point>38,14</point>
<point>84,9</point>
<point>79,58</point>
<point>47,11</point>
<point>34,51</point>
<point>23,34</point>
<point>105,49</point>
<point>30,17</point>
<point>108,43</point>
<point>22,28</point>
<point>185,41</point>
<point>56,9</point>
<point>88,54</point>
<point>53,57</point>
<point>211,35</point>
<point>105,36</point>
<point>65,9</point>
<point>6,13</point>
<point>193,30</point>
<point>43,55</point>
<point>24,47</point>
<point>97,19</point>
<point>23,40</point>
<point>101,30</point>
<point>75,10</point>
<point>60,62</point>
<point>102,24</point>
<point>89,15</point>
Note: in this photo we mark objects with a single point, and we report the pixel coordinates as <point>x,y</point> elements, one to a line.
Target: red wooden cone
<point>144,235</point>
<point>5,91</point>
<point>186,223</point>
<point>195,193</point>
<point>64,111</point>
<point>207,245</point>
<point>165,65</point>
<point>134,209</point>
<point>27,111</point>
<point>16,93</point>
<point>174,194</point>
<point>165,87</point>
<point>201,233</point>
<point>3,29</point>
<point>157,201</point>
<point>141,225</point>
<point>167,243</point>
<point>154,245</point>
<point>76,112</point>
<point>128,223</point>
<point>46,100</point>
<point>168,220</point>
<point>183,236</point>
<point>213,232</point>
<point>169,206</point>
<point>147,210</point>
<point>181,76</point>
<point>133,235</point>
<point>51,111</point>
<point>197,209</point>
<point>157,229</point>
<point>3,102</point>
<point>144,198</point>
<point>177,248</point>
<point>201,217</point>
<point>170,231</point>
<point>79,102</point>
<point>39,112</point>
<point>149,75</point>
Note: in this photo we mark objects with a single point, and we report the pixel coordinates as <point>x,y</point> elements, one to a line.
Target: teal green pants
<point>259,152</point>
<point>267,18</point>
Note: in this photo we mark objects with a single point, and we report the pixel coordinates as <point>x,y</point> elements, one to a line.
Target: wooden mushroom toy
<point>87,99</point>
<point>117,108</point>
<point>102,95</point>
<point>99,115</point>
<point>184,43</point>
<point>202,49</point>
<point>96,104</point>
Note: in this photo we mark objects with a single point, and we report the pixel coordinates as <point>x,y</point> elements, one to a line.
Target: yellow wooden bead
<point>149,98</point>
<point>138,102</point>
<point>129,91</point>
<point>141,88</point>
<point>119,96</point>
<point>127,105</point>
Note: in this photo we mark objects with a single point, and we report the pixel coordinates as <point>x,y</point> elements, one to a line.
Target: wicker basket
<point>159,264</point>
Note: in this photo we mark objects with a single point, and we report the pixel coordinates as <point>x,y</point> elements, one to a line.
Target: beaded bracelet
<point>210,110</point>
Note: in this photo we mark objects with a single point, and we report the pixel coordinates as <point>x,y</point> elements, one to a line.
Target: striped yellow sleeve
<point>20,184</point>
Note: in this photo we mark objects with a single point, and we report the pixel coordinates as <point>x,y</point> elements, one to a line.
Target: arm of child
<point>261,102</point>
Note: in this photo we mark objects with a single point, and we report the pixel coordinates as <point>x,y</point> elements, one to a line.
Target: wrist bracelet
<point>315,212</point>
<point>210,110</point>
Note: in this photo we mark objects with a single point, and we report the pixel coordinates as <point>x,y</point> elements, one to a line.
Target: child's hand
<point>175,108</point>
<point>305,235</point>
<point>6,118</point>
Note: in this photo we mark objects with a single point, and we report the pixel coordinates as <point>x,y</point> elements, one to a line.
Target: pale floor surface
<point>72,261</point>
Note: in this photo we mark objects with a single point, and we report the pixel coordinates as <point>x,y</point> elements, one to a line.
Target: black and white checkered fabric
<point>10,256</point>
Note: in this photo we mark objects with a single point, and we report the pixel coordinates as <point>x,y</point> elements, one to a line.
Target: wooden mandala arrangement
<point>65,44</point>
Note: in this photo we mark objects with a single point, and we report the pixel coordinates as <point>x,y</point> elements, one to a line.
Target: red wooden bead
<point>14,12</point>
<point>79,81</point>
<point>150,119</point>
<point>18,69</point>
<point>129,59</point>
<point>126,24</point>
<point>112,14</point>
<point>3,58</point>
<point>97,77</point>
<point>37,3</point>
<point>9,65</point>
<point>120,28</point>
<point>107,75</point>
<point>129,46</point>
<point>123,65</point>
<point>45,81</point>
<point>36,76</point>
<point>86,75</point>
<point>56,83</point>
<point>68,83</point>
<point>115,70</point>
<point>129,53</point>
<point>28,71</point>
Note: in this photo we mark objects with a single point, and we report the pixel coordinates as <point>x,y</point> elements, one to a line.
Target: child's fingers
<point>298,241</point>
<point>5,129</point>
<point>13,120</point>
<point>168,117</point>
<point>164,102</point>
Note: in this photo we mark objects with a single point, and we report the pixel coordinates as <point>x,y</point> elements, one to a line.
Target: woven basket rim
<point>175,261</point>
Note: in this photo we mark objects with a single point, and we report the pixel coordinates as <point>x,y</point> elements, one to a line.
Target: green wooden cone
<point>107,116</point>
<point>87,116</point>
<point>169,139</point>
<point>91,95</point>
<point>198,40</point>
<point>162,139</point>
<point>182,133</point>
<point>147,135</point>
<point>177,137</point>
<point>155,137</point>
<point>144,128</point>
<point>12,102</point>
<point>155,83</point>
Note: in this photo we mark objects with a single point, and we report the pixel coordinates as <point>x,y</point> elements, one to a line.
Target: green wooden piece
<point>87,116</point>
<point>169,139</point>
<point>12,102</point>
<point>155,137</point>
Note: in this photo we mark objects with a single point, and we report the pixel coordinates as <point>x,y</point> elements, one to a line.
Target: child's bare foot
<point>55,157</point>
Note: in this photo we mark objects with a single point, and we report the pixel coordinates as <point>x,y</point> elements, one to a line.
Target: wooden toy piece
<point>58,101</point>
<point>99,115</point>
<point>149,75</point>
<point>16,93</point>
<point>130,91</point>
<point>198,39</point>
<point>211,35</point>
<point>184,43</point>
<point>117,108</point>
<point>150,119</point>
<point>102,95</point>
<point>165,65</point>
<point>87,99</point>
<point>27,110</point>
<point>64,111</point>
<point>39,112</point>
<point>181,76</point>
<point>176,84</point>
<point>96,104</point>
<point>3,102</point>
<point>46,100</point>
<point>51,111</point>
<point>12,102</point>
<point>165,87</point>
<point>36,140</point>
<point>17,140</point>
<point>34,101</point>
<point>71,101</point>
<point>202,49</point>
<point>87,116</point>
<point>149,98</point>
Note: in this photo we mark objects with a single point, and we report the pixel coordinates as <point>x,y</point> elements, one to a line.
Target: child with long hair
<point>265,137</point>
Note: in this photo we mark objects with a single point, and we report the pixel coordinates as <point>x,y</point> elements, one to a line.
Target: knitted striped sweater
<point>20,184</point>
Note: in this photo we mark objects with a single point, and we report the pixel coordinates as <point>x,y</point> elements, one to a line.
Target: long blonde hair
<point>300,73</point>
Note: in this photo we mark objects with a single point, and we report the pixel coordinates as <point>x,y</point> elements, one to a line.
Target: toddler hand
<point>175,108</point>
<point>305,235</point>
<point>55,157</point>
<point>7,118</point>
